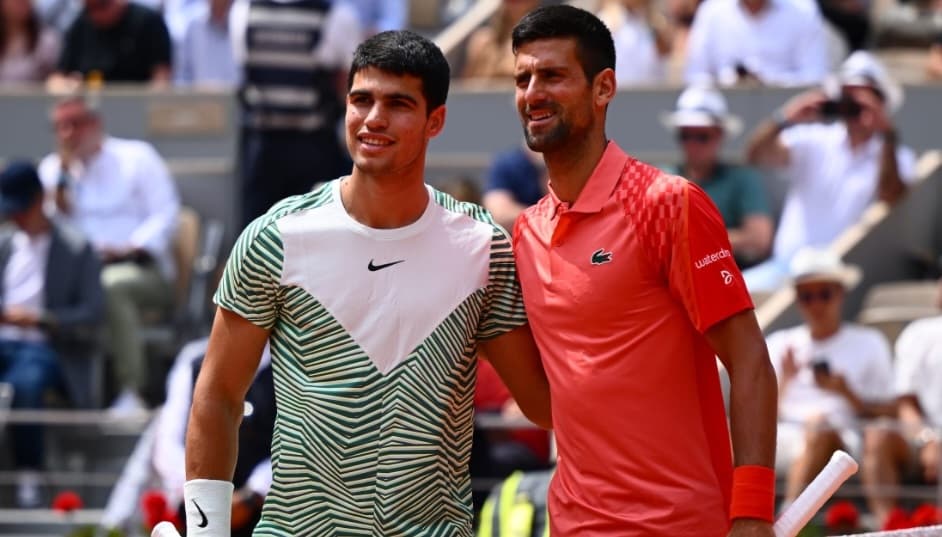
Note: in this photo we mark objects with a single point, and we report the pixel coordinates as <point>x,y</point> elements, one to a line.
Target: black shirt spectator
<point>130,45</point>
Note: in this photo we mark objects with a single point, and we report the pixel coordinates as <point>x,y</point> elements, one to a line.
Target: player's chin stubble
<point>547,141</point>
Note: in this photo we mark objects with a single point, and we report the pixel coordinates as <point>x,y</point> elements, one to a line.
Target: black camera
<point>845,107</point>
<point>820,366</point>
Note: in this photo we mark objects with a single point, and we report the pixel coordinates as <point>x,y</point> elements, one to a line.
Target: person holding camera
<point>831,374</point>
<point>839,149</point>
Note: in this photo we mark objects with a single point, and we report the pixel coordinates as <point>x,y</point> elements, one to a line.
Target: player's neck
<point>569,168</point>
<point>383,203</point>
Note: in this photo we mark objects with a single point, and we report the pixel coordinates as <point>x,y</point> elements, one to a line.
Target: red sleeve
<point>701,270</point>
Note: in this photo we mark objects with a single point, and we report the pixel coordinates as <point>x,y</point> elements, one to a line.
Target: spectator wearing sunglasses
<point>701,124</point>
<point>838,149</point>
<point>831,374</point>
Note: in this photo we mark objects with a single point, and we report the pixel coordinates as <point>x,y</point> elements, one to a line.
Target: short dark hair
<point>594,44</point>
<point>402,52</point>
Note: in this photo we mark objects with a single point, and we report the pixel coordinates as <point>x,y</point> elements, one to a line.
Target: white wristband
<point>208,504</point>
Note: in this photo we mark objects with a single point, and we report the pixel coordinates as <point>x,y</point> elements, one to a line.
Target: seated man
<point>120,194</point>
<point>52,302</point>
<point>911,447</point>
<point>515,181</point>
<point>701,123</point>
<point>831,374</point>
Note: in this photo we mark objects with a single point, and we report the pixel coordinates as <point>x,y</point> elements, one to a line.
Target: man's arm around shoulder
<point>516,359</point>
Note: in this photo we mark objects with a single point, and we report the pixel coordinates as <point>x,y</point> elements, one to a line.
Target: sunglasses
<point>823,295</point>
<point>693,136</point>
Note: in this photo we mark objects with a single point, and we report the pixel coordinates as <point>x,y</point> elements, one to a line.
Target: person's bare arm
<point>765,148</point>
<point>503,207</point>
<point>753,239</point>
<point>890,185</point>
<point>739,344</point>
<point>160,76</point>
<point>516,359</point>
<point>235,348</point>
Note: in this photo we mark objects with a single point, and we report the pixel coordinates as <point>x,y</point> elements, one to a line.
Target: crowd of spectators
<point>108,207</point>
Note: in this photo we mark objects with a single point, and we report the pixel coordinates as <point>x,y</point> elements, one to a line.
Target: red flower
<point>926,515</point>
<point>66,502</point>
<point>154,505</point>
<point>897,520</point>
<point>842,515</point>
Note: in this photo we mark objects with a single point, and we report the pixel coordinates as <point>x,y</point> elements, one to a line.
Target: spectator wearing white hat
<point>831,374</point>
<point>771,42</point>
<point>838,148</point>
<point>701,123</point>
<point>912,448</point>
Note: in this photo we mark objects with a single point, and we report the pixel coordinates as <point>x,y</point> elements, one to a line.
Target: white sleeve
<point>698,69</point>
<point>342,34</point>
<point>906,164</point>
<point>776,344</point>
<point>49,170</point>
<point>161,201</point>
<point>908,364</point>
<point>880,374</point>
<point>810,56</point>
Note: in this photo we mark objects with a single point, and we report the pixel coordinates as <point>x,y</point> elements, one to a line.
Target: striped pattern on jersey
<point>357,452</point>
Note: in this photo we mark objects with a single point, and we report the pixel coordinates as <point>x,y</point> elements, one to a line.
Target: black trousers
<point>278,164</point>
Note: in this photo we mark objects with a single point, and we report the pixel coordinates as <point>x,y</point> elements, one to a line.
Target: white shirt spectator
<point>342,34</point>
<point>830,184</point>
<point>24,282</point>
<point>123,197</point>
<point>784,45</point>
<point>169,449</point>
<point>637,61</point>
<point>204,57</point>
<point>919,366</point>
<point>381,15</point>
<point>860,354</point>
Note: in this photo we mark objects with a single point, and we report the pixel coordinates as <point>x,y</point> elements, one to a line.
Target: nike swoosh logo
<point>374,268</point>
<point>203,523</point>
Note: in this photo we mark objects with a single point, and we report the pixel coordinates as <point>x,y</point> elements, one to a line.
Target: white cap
<point>863,69</point>
<point>702,106</point>
<point>813,265</point>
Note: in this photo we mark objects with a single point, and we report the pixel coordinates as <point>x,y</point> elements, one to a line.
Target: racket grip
<point>838,469</point>
<point>164,529</point>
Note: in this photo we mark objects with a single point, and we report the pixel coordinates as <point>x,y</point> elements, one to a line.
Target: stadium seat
<point>889,307</point>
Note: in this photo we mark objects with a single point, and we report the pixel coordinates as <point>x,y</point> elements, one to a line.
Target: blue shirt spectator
<point>515,181</point>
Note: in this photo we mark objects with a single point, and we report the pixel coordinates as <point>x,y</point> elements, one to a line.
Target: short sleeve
<point>802,142</point>
<point>906,164</point>
<point>701,269</point>
<point>250,285</point>
<point>880,370</point>
<point>752,199</point>
<point>909,364</point>
<point>504,306</point>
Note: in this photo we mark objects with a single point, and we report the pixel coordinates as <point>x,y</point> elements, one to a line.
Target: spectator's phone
<point>821,367</point>
<point>840,108</point>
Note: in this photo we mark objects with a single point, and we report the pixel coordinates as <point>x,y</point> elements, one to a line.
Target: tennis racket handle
<point>838,469</point>
<point>164,529</point>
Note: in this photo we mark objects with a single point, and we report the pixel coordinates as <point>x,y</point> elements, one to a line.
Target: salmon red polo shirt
<point>619,288</point>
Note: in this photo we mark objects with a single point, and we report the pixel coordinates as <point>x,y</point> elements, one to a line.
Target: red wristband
<point>753,493</point>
